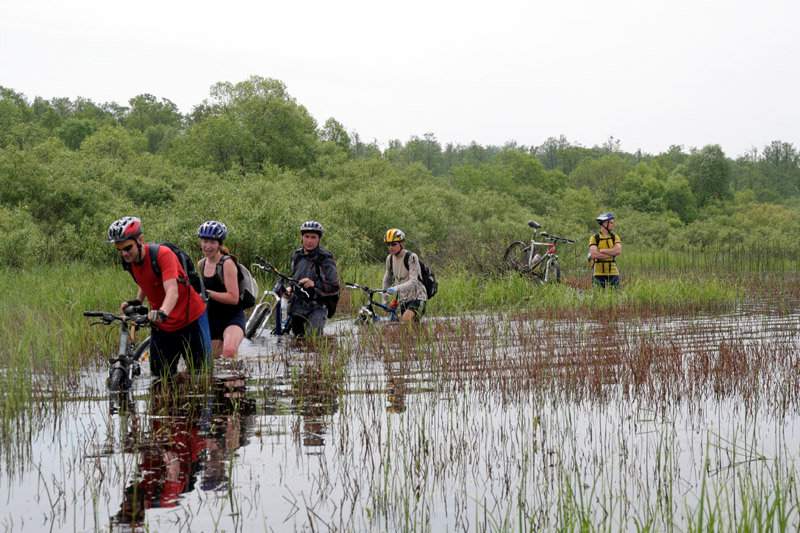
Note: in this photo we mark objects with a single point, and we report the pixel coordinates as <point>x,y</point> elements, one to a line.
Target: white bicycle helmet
<point>312,226</point>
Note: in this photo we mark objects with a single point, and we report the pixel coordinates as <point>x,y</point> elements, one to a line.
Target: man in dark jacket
<point>314,268</point>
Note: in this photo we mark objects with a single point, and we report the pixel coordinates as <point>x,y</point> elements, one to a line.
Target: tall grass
<point>729,258</point>
<point>45,341</point>
<point>461,291</point>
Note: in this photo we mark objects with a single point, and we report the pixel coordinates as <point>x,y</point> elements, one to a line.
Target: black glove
<point>133,302</point>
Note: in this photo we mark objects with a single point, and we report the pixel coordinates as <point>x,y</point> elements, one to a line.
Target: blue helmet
<point>604,217</point>
<point>211,229</point>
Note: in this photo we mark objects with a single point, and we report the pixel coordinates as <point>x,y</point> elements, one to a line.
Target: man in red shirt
<point>178,314</point>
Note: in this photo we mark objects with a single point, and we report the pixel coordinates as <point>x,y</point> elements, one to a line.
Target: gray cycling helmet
<point>312,226</point>
<point>604,217</point>
<point>124,229</point>
<point>212,229</point>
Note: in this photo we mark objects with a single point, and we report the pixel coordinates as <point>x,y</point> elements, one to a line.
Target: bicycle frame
<point>525,258</point>
<point>366,313</point>
<point>125,365</point>
<point>269,304</point>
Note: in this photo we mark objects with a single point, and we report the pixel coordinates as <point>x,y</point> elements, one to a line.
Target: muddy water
<point>476,423</point>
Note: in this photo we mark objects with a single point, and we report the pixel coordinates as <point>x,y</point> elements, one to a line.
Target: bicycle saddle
<point>534,224</point>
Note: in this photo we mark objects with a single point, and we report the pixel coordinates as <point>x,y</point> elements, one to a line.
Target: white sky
<point>651,73</point>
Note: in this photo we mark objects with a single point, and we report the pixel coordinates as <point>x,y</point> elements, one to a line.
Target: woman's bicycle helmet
<point>124,229</point>
<point>312,226</point>
<point>394,235</point>
<point>211,229</point>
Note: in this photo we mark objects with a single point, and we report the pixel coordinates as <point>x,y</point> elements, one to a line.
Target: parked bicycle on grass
<point>125,364</point>
<point>368,313</point>
<point>537,259</point>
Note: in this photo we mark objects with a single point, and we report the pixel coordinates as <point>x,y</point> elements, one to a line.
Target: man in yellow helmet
<point>403,277</point>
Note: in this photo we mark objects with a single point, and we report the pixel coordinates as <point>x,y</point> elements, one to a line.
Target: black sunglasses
<point>125,248</point>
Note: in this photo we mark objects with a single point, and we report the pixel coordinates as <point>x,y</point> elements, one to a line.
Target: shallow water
<point>474,423</point>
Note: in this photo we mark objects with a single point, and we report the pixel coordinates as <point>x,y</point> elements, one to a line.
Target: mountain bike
<point>272,303</point>
<point>124,366</point>
<point>268,306</point>
<point>541,267</point>
<point>367,314</point>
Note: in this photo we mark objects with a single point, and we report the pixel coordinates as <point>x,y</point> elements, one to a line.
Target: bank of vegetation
<point>253,156</point>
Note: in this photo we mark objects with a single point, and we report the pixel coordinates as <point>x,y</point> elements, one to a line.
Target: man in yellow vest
<point>604,248</point>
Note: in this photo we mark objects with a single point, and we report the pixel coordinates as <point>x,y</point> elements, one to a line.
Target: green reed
<point>731,258</point>
<point>45,339</point>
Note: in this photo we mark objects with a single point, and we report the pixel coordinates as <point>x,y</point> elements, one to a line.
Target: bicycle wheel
<point>516,256</point>
<point>118,379</point>
<point>257,320</point>
<point>552,273</point>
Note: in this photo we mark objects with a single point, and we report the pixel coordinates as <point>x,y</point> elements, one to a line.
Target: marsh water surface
<point>485,422</point>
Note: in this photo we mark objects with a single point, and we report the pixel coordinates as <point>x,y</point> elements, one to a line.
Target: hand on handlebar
<point>125,306</point>
<point>156,316</point>
<point>391,290</point>
<point>306,283</point>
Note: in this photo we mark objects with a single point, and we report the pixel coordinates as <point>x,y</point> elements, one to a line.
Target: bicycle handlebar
<point>266,266</point>
<point>108,318</point>
<point>365,288</point>
<point>556,238</point>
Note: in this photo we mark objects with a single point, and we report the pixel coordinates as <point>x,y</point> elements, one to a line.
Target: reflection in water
<point>189,437</point>
<point>514,421</point>
<point>315,393</point>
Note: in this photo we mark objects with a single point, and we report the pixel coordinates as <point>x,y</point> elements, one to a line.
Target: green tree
<point>709,174</point>
<point>74,130</point>
<point>259,111</point>
<point>679,198</point>
<point>641,191</point>
<point>603,176</point>
<point>781,166</point>
<point>114,143</point>
<point>333,132</point>
<point>146,111</point>
<point>12,112</point>
<point>427,151</point>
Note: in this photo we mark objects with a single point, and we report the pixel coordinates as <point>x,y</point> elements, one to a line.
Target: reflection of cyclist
<point>396,389</point>
<point>168,465</point>
<point>186,440</point>
<point>402,277</point>
<point>225,314</point>
<point>180,323</point>
<point>604,248</point>
<point>315,269</point>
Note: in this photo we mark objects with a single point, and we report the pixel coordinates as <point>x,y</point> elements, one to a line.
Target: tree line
<point>254,157</point>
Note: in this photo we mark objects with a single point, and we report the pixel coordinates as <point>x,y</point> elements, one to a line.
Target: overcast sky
<point>650,73</point>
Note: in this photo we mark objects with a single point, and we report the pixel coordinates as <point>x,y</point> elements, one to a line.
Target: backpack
<point>195,280</point>
<point>329,300</point>
<point>426,276</point>
<point>248,286</point>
